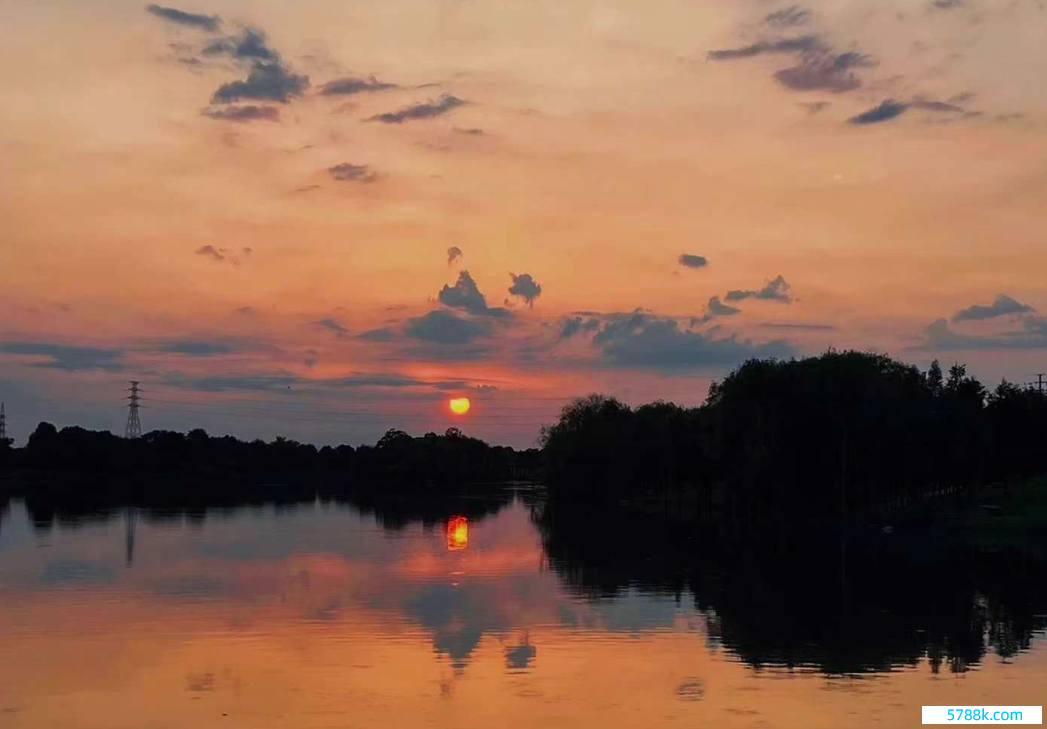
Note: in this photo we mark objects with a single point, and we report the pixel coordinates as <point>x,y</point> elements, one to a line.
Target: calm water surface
<point>324,615</point>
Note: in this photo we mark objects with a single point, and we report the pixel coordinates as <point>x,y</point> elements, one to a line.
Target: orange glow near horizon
<point>457,533</point>
<point>460,405</point>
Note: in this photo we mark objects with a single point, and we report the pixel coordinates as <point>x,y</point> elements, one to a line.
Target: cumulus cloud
<point>644,340</point>
<point>346,172</point>
<point>67,358</point>
<point>352,85</point>
<point>1001,306</point>
<point>777,289</point>
<point>265,81</point>
<point>715,307</point>
<point>575,324</point>
<point>181,17</point>
<point>454,253</point>
<point>525,287</point>
<point>466,295</point>
<point>424,110</point>
<point>885,111</point>
<point>789,17</point>
<point>243,113</point>
<point>691,260</point>
<point>444,327</point>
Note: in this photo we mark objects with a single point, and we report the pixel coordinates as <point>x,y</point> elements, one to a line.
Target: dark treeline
<point>185,466</point>
<point>843,433</point>
<point>815,437</point>
<point>864,602</point>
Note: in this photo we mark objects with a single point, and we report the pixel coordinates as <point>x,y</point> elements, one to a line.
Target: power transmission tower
<point>3,422</point>
<point>134,425</point>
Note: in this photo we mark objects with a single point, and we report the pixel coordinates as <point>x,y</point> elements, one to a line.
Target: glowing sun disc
<point>459,405</point>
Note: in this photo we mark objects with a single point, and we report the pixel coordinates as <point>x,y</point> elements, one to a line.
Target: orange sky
<point>268,256</point>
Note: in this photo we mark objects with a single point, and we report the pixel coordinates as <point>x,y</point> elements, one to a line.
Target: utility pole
<point>3,423</point>
<point>134,425</point>
<point>1040,381</point>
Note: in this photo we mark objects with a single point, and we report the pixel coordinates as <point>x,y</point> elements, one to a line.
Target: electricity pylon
<point>134,425</point>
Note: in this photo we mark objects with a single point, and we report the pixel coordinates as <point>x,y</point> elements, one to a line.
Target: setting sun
<point>457,533</point>
<point>460,405</point>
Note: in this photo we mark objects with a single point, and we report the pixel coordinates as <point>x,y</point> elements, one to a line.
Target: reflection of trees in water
<point>861,605</point>
<point>392,510</point>
<point>396,510</point>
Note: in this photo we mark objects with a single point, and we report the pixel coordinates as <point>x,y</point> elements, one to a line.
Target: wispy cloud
<point>1032,335</point>
<point>823,70</point>
<point>181,17</point>
<point>347,172</point>
<point>690,260</point>
<point>789,17</point>
<point>351,85</point>
<point>820,67</point>
<point>243,113</point>
<point>454,254</point>
<point>219,255</point>
<point>884,111</point>
<point>333,325</point>
<point>813,107</point>
<point>249,43</point>
<point>425,110</point>
<point>763,47</point>
<point>194,347</point>
<point>68,358</point>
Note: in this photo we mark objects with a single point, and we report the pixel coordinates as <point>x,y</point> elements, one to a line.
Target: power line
<point>134,425</point>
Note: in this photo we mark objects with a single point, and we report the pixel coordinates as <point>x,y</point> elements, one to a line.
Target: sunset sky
<point>324,219</point>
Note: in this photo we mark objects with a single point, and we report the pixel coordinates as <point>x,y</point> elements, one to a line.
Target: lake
<point>492,612</point>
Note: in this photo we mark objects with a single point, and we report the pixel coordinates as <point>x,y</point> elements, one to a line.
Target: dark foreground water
<point>325,615</point>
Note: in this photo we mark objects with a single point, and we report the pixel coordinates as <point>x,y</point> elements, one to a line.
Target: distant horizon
<point>450,420</point>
